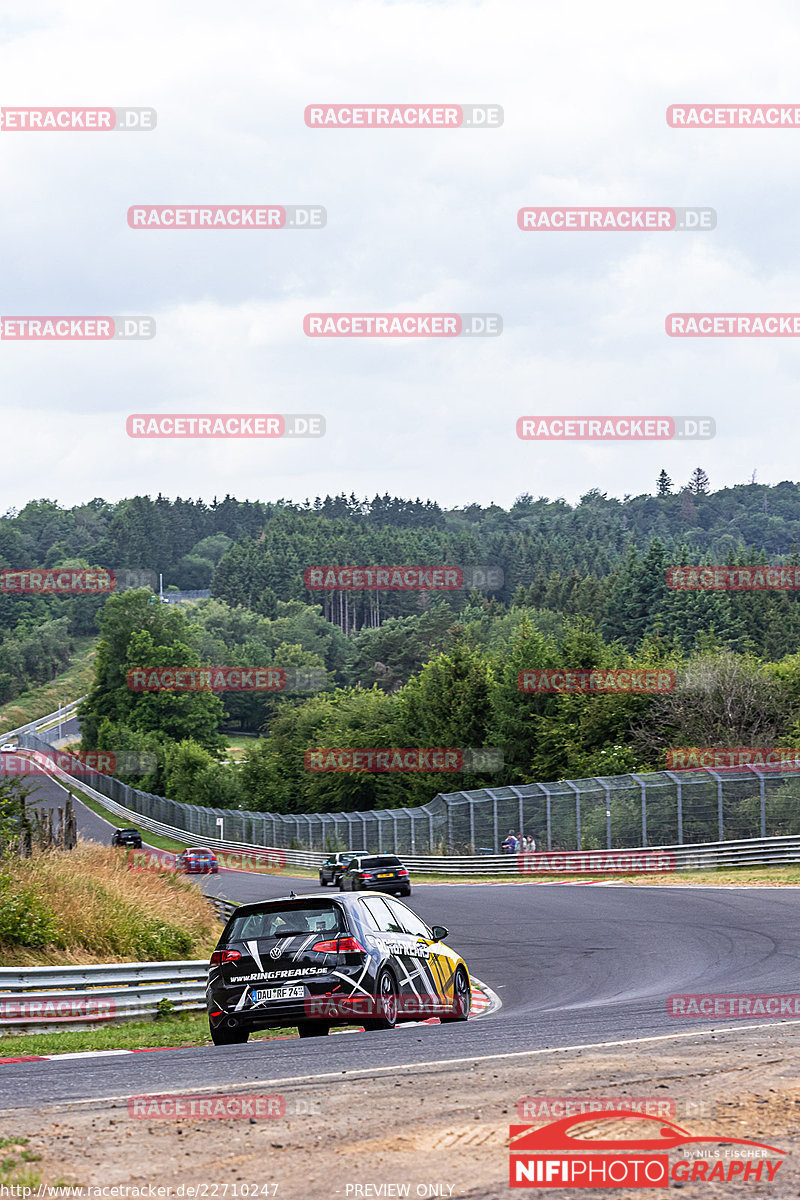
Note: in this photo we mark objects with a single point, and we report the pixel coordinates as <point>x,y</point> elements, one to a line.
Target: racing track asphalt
<point>573,966</point>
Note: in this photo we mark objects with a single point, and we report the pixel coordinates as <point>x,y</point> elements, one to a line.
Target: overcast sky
<point>417,221</point>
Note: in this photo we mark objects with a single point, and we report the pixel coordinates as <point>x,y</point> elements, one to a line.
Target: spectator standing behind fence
<point>510,844</point>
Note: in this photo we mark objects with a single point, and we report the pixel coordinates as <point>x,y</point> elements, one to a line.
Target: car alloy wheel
<point>386,1001</point>
<point>462,997</point>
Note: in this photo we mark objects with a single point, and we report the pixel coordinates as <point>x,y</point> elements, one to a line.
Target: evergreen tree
<point>698,483</point>
<point>664,484</point>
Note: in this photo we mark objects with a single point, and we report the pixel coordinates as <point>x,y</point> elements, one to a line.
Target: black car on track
<point>315,961</point>
<point>127,837</point>
<point>377,873</point>
<point>333,867</point>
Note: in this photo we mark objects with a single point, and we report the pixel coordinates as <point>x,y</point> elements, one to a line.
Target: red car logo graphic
<point>525,1139</point>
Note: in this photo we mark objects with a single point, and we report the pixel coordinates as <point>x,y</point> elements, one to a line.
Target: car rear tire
<point>386,996</point>
<point>462,998</point>
<point>405,892</point>
<point>323,882</point>
<point>223,1035</point>
<point>313,1029</point>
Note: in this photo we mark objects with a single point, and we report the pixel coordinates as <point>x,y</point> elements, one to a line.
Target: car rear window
<point>387,860</point>
<point>273,922</point>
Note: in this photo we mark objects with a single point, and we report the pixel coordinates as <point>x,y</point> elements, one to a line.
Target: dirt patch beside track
<point>442,1127</point>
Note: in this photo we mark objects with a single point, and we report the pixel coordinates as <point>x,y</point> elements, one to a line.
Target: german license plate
<point>278,993</point>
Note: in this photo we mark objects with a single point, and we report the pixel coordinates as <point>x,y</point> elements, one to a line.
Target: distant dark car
<point>316,961</point>
<point>198,860</point>
<point>377,873</point>
<point>333,867</point>
<point>127,837</point>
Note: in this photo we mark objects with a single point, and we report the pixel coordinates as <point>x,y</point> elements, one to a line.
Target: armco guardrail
<point>774,851</point>
<point>58,997</point>
<point>67,712</point>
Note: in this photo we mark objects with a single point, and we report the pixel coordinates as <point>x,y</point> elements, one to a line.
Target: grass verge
<point>84,906</point>
<point>14,1160</point>
<point>187,1030</point>
<point>39,701</point>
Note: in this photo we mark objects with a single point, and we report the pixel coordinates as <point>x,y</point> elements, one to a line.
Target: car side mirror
<point>439,932</point>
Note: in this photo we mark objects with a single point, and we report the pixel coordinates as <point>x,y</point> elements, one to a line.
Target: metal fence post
<point>679,786</point>
<point>607,790</point>
<point>494,819</point>
<point>577,792</point>
<point>719,802</point>
<point>549,820</point>
<point>449,825</point>
<point>643,786</point>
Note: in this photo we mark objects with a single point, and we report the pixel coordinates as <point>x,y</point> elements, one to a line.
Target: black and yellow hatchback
<point>313,961</point>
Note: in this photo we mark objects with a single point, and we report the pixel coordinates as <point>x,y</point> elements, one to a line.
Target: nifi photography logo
<point>560,1155</point>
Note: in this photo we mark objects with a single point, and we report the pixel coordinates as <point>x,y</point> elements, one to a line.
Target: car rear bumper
<point>273,1013</point>
<point>385,885</point>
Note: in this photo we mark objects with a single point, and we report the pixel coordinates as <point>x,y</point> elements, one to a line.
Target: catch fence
<point>655,809</point>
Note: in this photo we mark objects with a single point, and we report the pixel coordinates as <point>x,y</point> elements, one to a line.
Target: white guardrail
<point>37,998</point>
<point>66,713</point>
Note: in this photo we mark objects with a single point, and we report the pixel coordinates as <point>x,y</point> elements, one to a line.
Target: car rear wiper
<point>290,933</point>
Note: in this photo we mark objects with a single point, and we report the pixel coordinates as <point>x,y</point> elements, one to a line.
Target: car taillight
<point>402,871</point>
<point>343,945</point>
<point>365,875</point>
<point>224,956</point>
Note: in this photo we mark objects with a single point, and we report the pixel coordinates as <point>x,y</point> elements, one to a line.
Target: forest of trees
<point>583,586</point>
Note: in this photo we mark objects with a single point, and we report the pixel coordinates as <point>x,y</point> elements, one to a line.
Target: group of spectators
<point>518,843</point>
